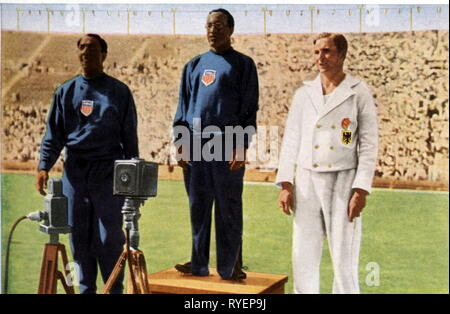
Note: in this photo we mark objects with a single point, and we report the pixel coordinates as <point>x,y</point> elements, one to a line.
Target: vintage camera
<point>135,178</point>
<point>55,213</point>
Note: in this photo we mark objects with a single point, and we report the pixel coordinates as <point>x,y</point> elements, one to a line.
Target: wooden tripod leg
<point>131,263</point>
<point>47,281</point>
<point>115,273</point>
<point>67,287</point>
<point>140,272</point>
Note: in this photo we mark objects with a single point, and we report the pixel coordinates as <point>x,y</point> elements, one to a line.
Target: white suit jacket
<point>341,135</point>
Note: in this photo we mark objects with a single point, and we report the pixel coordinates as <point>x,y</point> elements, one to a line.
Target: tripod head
<point>131,215</point>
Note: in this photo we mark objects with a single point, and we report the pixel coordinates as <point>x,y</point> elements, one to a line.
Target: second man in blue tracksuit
<point>219,91</point>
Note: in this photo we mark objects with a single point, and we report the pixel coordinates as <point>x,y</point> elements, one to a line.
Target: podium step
<point>170,281</point>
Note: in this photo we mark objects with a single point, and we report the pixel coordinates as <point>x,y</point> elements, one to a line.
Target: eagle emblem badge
<point>346,133</point>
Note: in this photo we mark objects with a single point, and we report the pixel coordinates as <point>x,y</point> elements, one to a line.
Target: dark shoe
<point>238,274</point>
<point>184,268</point>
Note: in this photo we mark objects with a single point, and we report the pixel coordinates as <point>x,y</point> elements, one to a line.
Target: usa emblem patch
<point>86,107</point>
<point>209,76</point>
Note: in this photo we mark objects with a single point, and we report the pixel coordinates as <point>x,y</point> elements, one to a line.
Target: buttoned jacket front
<point>317,136</point>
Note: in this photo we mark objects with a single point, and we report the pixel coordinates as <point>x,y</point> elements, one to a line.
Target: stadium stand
<point>408,73</point>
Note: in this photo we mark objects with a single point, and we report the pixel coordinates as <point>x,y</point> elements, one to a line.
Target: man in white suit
<point>327,163</point>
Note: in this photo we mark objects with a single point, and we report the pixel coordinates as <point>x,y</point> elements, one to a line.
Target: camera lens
<point>125,178</point>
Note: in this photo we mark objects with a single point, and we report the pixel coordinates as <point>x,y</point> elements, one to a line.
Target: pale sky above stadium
<point>251,16</point>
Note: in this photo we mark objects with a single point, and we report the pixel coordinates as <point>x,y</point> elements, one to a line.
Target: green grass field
<point>404,232</point>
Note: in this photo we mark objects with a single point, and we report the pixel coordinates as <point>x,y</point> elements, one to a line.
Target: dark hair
<point>103,44</point>
<point>230,19</point>
<point>339,41</point>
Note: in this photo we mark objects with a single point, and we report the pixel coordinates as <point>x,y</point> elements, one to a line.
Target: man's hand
<point>41,181</point>
<point>238,158</point>
<point>181,159</point>
<point>286,198</point>
<point>356,204</point>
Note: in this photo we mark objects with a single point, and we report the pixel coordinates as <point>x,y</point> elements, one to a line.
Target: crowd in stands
<point>407,71</point>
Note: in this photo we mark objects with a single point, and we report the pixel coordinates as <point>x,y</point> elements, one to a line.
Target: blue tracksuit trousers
<point>209,182</point>
<point>96,220</point>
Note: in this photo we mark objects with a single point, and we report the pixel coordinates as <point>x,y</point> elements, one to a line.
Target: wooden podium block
<point>172,282</point>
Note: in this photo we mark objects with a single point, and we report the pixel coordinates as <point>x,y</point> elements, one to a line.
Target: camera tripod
<point>135,257</point>
<point>49,268</point>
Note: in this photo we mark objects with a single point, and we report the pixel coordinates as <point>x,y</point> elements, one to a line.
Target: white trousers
<point>321,203</point>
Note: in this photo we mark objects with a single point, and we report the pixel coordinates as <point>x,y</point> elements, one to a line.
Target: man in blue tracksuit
<point>93,116</point>
<point>218,93</point>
